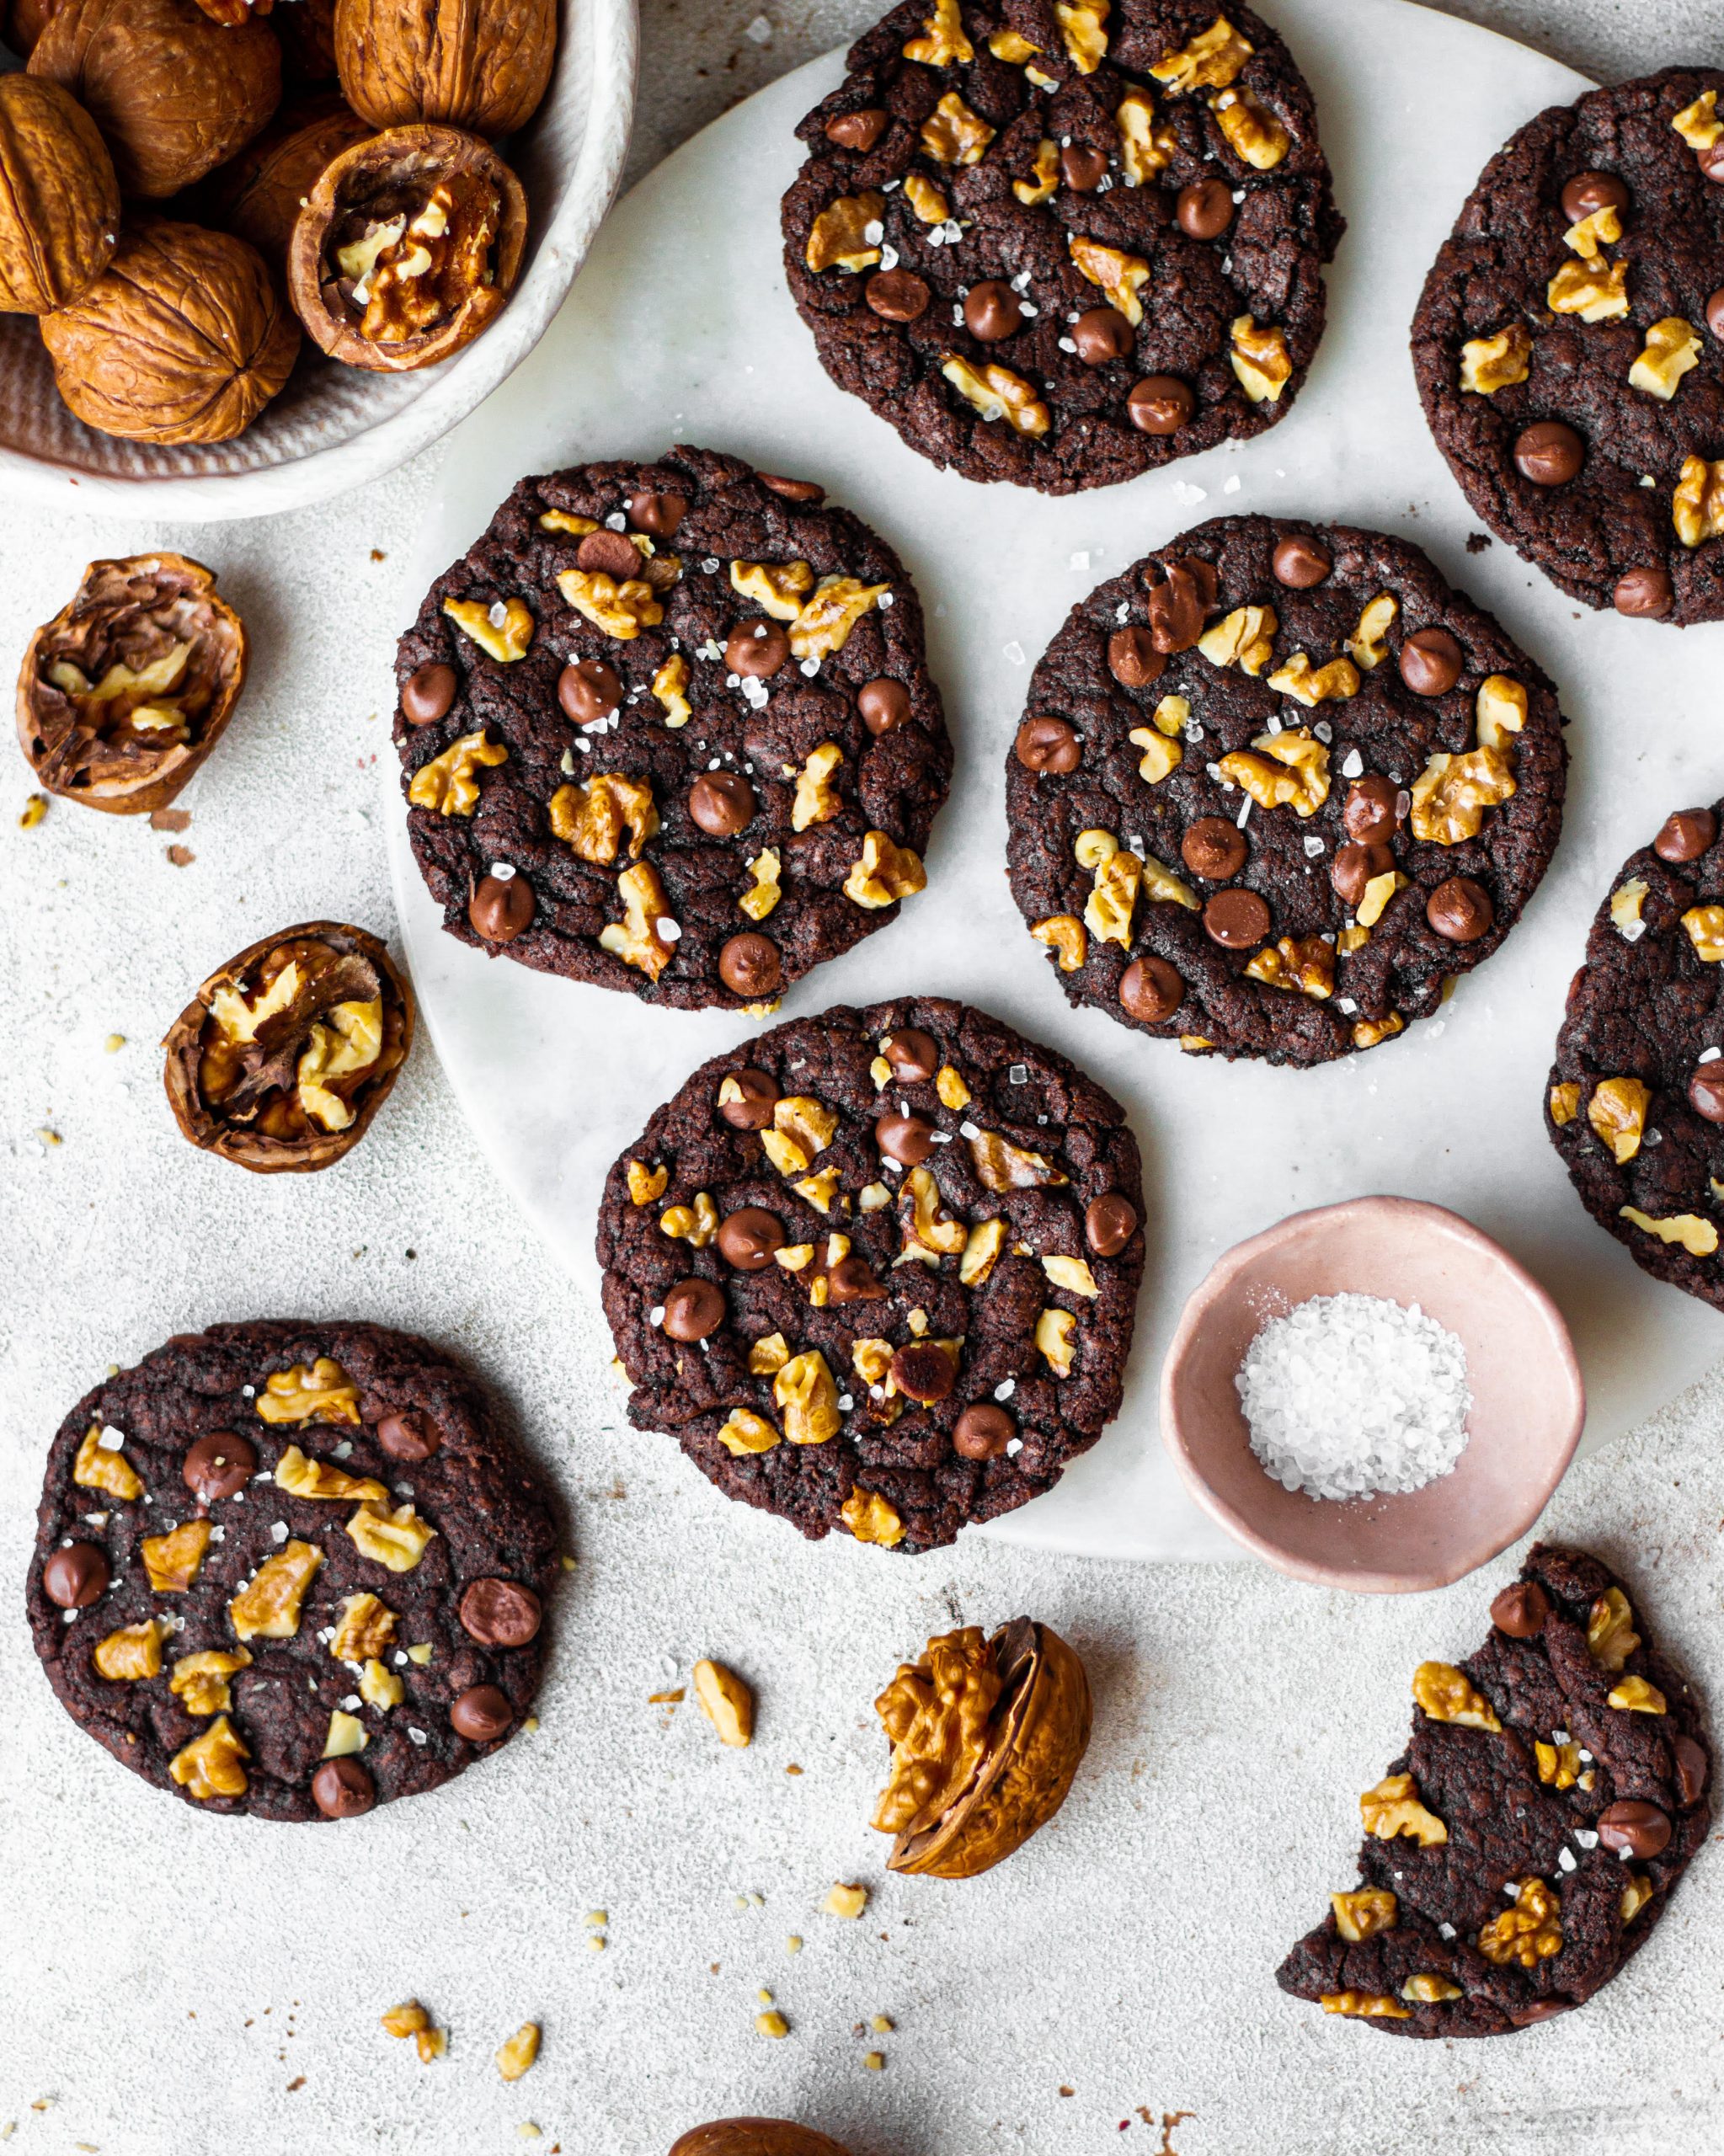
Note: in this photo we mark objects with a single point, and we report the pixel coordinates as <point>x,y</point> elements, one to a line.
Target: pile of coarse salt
<point>1349,1395</point>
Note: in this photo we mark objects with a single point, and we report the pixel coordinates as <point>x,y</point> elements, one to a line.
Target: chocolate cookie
<point>1528,1840</point>
<point>1275,785</point>
<point>291,1569</point>
<point>1569,346</point>
<point>668,728</point>
<point>878,1269</point>
<point>1635,1103</point>
<point>1062,245</point>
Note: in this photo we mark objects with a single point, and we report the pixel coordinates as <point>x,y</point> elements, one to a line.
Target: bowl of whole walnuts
<point>255,253</point>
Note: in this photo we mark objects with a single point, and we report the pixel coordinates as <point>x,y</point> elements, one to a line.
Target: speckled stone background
<point>175,1984</point>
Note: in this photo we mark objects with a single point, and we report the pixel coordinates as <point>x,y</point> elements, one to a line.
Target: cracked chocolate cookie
<point>1528,1839</point>
<point>878,1270</point>
<point>1569,346</point>
<point>669,728</point>
<point>1063,245</point>
<point>1275,787</point>
<point>291,1569</point>
<point>1635,1103</point>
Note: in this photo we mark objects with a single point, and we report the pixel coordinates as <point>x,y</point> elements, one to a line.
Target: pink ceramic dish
<point>1528,1404</point>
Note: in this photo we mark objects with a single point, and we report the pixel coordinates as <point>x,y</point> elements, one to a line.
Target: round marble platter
<point>680,328</point>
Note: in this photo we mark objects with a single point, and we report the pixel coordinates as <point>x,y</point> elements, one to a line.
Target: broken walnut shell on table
<point>126,691</point>
<point>987,1735</point>
<point>407,248</point>
<point>174,93</point>
<point>285,1054</point>
<point>756,2137</point>
<point>477,64</point>
<point>182,339</point>
<point>259,194</point>
<point>59,199</point>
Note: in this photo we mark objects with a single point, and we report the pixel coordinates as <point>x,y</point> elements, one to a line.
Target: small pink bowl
<point>1528,1404</point>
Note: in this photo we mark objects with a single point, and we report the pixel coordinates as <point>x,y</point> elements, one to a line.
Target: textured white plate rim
<point>454,389</point>
<point>452,991</point>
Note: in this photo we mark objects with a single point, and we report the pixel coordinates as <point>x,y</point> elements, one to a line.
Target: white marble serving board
<point>680,328</point>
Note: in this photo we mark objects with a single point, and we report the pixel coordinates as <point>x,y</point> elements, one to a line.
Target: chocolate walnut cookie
<point>1529,1838</point>
<point>291,1569</point>
<point>1062,245</point>
<point>1275,787</point>
<point>1569,346</point>
<point>668,728</point>
<point>878,1270</point>
<point>1635,1103</point>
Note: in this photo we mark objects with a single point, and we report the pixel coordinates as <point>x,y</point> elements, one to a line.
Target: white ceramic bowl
<point>334,428</point>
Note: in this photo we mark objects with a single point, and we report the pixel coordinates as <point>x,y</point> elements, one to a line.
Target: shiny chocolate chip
<point>608,553</point>
<point>1691,1764</point>
<point>1179,601</point>
<point>748,1237</point>
<point>342,1789</point>
<point>749,966</point>
<point>1705,1092</point>
<point>752,1097</point>
<point>482,1714</point>
<point>427,694</point>
<point>588,691</point>
<point>1715,314</point>
<point>1634,1829</point>
<point>1132,660</point>
<point>1520,1610</point>
<point>992,311</point>
<point>1431,662</point>
<point>983,1431</point>
<point>657,514</point>
<point>857,130</point>
<point>722,802</point>
<point>407,1436</point>
<point>924,1371</point>
<point>501,907</point>
<point>913,1055</point>
<point>1082,167</point>
<point>1214,848</point>
<point>1235,919</point>
<point>1549,453</point>
<point>1372,806</point>
<point>756,647</point>
<point>1590,192</point>
<point>906,1138</point>
<point>1686,835</point>
<point>1109,1223</point>
<point>883,703</point>
<point>1643,595</point>
<point>1460,910</point>
<point>1354,866</point>
<point>1150,989</point>
<point>1160,404</point>
<point>218,1464</point>
<point>75,1575</point>
<point>1101,335</point>
<point>694,1309</point>
<point>897,295</point>
<point>500,1612</point>
<point>1048,743</point>
<point>1204,208</point>
<point>852,1280</point>
<point>1300,562</point>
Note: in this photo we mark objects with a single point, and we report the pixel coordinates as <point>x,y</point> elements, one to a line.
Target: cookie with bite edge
<point>669,728</point>
<point>877,1271</point>
<point>1275,787</point>
<point>1059,245</point>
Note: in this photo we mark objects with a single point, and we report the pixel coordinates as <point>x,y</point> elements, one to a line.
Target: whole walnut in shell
<point>126,691</point>
<point>259,194</point>
<point>479,64</point>
<point>407,248</point>
<point>986,1736</point>
<point>22,22</point>
<point>59,199</point>
<point>175,94</point>
<point>282,1057</point>
<point>756,2137</point>
<point>183,338</point>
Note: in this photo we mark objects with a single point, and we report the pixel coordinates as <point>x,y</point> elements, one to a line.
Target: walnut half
<point>283,1057</point>
<point>987,1736</point>
<point>407,248</point>
<point>126,691</point>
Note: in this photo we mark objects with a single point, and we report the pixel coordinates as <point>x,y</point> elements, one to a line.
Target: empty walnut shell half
<point>175,94</point>
<point>987,1736</point>
<point>260,193</point>
<point>407,248</point>
<point>126,691</point>
<point>756,2137</point>
<point>183,338</point>
<point>282,1057</point>
<point>477,64</point>
<point>59,199</point>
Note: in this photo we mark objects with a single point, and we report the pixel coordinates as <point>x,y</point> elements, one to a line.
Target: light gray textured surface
<point>193,1985</point>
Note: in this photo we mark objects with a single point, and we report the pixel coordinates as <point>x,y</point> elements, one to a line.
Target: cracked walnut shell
<point>182,339</point>
<point>407,248</point>
<point>174,93</point>
<point>480,64</point>
<point>283,1057</point>
<point>59,199</point>
<point>986,1736</point>
<point>755,2137</point>
<point>126,691</point>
